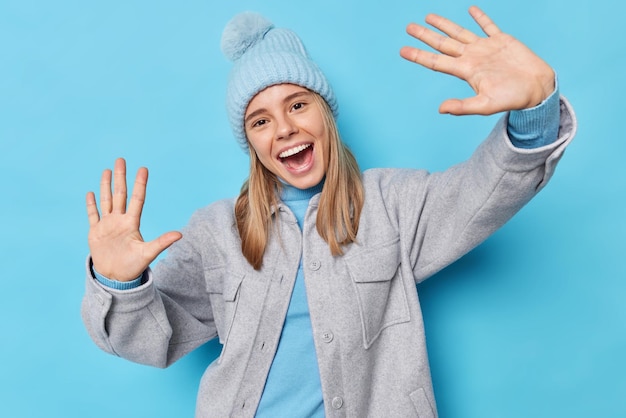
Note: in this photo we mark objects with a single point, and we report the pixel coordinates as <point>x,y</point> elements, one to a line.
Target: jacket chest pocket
<point>380,292</point>
<point>223,288</point>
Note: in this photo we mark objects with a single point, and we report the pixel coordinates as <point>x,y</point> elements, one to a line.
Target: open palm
<point>117,248</point>
<point>503,72</point>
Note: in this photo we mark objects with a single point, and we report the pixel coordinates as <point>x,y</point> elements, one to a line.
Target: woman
<point>308,277</point>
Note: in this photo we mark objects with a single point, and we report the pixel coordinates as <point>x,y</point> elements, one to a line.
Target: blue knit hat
<point>264,56</point>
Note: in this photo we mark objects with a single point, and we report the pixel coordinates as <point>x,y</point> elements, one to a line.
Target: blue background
<point>531,323</point>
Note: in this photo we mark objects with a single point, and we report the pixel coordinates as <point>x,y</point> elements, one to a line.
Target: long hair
<point>339,209</point>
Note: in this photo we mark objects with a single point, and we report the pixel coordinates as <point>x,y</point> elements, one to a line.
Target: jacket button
<point>337,402</point>
<point>315,265</point>
<point>327,336</point>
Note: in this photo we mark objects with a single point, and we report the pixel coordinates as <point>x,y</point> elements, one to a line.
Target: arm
<point>141,323</point>
<point>464,205</point>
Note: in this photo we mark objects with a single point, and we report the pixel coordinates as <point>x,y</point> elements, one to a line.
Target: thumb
<point>160,244</point>
<point>476,105</point>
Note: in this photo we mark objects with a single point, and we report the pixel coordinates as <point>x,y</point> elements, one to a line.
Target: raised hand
<point>118,250</point>
<point>503,72</point>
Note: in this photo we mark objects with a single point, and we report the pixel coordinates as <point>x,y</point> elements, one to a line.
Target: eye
<point>297,106</point>
<point>259,123</point>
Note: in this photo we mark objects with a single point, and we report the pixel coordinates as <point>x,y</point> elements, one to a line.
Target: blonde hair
<point>339,209</point>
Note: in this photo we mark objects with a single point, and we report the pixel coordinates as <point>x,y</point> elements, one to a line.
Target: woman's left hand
<point>503,72</point>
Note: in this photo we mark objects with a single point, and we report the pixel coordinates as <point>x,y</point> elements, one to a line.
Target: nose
<point>285,127</point>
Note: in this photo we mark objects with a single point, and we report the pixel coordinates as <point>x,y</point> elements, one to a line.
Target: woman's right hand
<point>117,248</point>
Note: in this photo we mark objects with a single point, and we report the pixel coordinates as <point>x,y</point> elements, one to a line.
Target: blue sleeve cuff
<point>117,285</point>
<point>537,126</point>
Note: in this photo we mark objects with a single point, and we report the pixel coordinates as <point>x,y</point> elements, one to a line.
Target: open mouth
<point>297,158</point>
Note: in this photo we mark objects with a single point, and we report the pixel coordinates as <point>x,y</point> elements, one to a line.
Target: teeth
<point>293,151</point>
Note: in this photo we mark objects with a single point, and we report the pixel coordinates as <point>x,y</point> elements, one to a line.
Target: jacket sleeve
<point>161,320</point>
<point>442,216</point>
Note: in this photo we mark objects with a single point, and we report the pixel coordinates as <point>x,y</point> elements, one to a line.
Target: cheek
<point>262,151</point>
<point>260,146</point>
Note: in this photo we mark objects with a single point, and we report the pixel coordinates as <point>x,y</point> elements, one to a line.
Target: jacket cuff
<point>111,299</point>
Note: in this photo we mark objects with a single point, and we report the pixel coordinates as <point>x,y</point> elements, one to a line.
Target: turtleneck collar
<point>289,193</point>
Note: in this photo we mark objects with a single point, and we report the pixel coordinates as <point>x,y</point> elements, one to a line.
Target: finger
<point>119,186</point>
<point>476,105</point>
<point>484,21</point>
<point>435,40</point>
<point>138,197</point>
<point>433,61</point>
<point>92,210</point>
<point>451,29</point>
<point>105,192</point>
<point>157,246</point>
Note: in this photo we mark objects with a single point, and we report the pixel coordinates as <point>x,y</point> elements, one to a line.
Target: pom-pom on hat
<point>263,56</point>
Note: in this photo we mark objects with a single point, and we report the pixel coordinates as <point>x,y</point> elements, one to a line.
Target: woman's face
<point>285,127</point>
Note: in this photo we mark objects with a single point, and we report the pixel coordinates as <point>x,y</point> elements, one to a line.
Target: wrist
<point>116,284</point>
<point>547,85</point>
<point>110,275</point>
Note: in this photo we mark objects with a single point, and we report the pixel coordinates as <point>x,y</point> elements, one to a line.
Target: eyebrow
<point>285,100</point>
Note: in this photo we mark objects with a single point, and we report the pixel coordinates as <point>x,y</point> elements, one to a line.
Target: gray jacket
<point>364,307</point>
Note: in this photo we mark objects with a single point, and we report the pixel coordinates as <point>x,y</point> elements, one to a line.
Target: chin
<point>304,183</point>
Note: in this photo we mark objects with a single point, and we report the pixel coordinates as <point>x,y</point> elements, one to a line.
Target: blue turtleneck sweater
<point>293,383</point>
